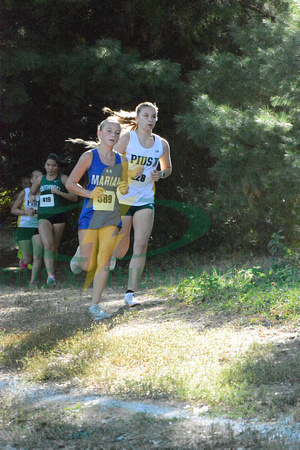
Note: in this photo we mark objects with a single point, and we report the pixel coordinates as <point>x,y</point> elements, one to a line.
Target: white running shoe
<point>97,313</point>
<point>128,299</point>
<point>74,263</point>
<point>113,262</point>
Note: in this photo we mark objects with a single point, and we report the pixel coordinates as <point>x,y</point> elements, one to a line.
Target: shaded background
<point>224,75</point>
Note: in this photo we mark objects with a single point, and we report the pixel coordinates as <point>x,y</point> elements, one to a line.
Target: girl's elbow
<point>68,186</point>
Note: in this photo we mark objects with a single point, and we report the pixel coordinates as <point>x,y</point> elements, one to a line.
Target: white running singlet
<point>29,221</point>
<point>141,189</point>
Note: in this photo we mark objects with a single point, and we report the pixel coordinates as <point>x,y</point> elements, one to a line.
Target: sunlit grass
<point>231,366</point>
<point>224,368</point>
<point>251,291</point>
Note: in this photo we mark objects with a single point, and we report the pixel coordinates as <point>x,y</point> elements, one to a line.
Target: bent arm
<point>72,183</point>
<point>121,146</point>
<point>17,210</point>
<point>165,161</point>
<point>123,186</point>
<point>124,176</point>
<point>67,195</point>
<point>165,164</point>
<point>35,186</point>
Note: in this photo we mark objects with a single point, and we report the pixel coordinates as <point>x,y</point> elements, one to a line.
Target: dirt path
<point>168,425</point>
<point>96,421</point>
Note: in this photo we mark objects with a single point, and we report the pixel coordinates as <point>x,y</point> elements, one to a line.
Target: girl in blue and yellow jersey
<point>100,218</point>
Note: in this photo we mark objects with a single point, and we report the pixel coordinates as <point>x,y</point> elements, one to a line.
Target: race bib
<point>34,204</point>
<point>46,200</point>
<point>106,203</point>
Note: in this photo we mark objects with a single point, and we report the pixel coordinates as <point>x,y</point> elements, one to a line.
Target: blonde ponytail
<point>126,119</point>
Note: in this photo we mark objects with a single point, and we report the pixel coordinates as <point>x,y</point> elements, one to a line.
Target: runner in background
<point>26,236</point>
<point>51,214</point>
<point>146,151</point>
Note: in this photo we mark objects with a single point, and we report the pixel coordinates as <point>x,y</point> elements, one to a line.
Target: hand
<point>98,192</point>
<point>30,212</point>
<point>155,175</point>
<point>123,187</point>
<point>31,198</point>
<point>55,190</point>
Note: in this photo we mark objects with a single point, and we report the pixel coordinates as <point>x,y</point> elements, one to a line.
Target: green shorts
<point>23,234</point>
<point>127,210</point>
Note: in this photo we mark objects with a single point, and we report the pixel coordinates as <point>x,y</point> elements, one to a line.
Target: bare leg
<point>124,236</point>
<point>142,225</point>
<point>37,258</point>
<point>46,233</point>
<point>58,229</point>
<point>26,249</point>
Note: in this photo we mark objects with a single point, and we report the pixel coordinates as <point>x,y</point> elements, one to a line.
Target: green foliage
<point>6,199</point>
<point>272,292</point>
<point>282,260</point>
<point>64,60</point>
<point>244,111</point>
<point>276,245</point>
<point>61,66</point>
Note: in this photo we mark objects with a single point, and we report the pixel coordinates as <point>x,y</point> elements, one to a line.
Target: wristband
<point>163,174</point>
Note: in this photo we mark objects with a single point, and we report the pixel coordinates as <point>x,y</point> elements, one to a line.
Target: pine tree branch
<point>257,10</point>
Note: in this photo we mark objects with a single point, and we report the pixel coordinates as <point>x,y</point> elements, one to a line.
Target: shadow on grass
<point>52,329</point>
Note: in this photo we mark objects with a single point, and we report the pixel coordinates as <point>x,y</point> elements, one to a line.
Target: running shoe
<point>51,281</point>
<point>97,313</point>
<point>22,265</point>
<point>74,263</point>
<point>113,262</point>
<point>128,299</point>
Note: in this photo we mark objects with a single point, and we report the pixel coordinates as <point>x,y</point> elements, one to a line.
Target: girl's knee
<point>122,247</point>
<point>120,252</point>
<point>140,247</point>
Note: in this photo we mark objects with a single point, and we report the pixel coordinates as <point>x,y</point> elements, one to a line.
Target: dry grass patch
<point>229,369</point>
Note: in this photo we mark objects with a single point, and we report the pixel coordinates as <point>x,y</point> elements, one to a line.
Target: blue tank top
<point>99,213</point>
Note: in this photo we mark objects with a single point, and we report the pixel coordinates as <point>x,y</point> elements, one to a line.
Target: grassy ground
<point>216,339</point>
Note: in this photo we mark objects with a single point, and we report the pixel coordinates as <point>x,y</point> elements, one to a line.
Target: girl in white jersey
<point>26,235</point>
<point>144,150</point>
